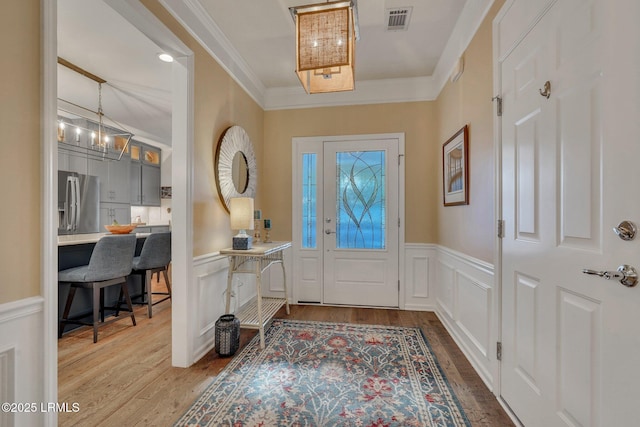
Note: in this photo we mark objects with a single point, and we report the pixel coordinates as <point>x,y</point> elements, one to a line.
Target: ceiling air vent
<point>398,18</point>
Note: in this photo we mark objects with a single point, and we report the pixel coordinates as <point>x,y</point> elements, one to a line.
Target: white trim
<point>48,303</point>
<point>26,307</point>
<point>194,17</point>
<point>183,297</point>
<point>366,92</point>
<point>183,321</point>
<point>497,146</point>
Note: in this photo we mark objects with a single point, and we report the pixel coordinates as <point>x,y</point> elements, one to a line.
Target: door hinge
<point>500,228</point>
<point>499,350</point>
<point>499,105</point>
<point>400,156</point>
<point>398,222</point>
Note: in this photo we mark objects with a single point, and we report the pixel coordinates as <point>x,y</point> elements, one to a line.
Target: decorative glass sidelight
<point>309,200</point>
<point>361,200</point>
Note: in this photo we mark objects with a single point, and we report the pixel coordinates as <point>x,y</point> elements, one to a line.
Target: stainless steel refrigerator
<point>78,203</point>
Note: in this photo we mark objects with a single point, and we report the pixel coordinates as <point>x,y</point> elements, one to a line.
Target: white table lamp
<point>241,220</point>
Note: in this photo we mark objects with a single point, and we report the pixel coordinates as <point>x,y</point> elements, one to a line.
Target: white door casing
<point>315,261</point>
<point>568,169</point>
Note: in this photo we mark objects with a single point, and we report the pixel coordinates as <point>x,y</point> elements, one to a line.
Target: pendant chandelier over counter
<point>325,45</point>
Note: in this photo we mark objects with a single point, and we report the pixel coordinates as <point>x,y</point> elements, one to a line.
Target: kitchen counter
<point>81,239</point>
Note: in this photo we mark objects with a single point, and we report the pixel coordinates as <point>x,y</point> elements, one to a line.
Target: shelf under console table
<point>259,311</point>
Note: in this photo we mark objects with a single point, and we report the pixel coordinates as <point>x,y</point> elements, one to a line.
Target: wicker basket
<point>227,335</point>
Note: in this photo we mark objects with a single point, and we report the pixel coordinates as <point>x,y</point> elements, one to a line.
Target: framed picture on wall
<point>455,168</point>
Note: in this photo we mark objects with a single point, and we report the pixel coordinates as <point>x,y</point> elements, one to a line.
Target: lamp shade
<point>241,213</point>
<point>325,44</point>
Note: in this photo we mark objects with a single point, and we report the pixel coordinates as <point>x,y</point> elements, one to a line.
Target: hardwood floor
<point>126,378</point>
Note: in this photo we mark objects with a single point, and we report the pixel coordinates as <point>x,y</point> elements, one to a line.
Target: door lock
<point>626,230</point>
<point>626,274</point>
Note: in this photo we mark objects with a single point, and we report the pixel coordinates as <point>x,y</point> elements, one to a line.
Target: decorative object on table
<point>235,166</point>
<point>242,220</point>
<point>326,35</point>
<point>455,168</point>
<point>165,192</point>
<point>257,216</point>
<point>267,231</point>
<point>120,229</point>
<point>338,377</point>
<point>227,335</point>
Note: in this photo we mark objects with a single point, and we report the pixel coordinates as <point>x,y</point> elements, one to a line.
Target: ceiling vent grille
<point>398,18</point>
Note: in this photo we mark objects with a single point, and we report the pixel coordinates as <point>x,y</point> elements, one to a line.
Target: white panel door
<point>570,174</point>
<point>361,222</point>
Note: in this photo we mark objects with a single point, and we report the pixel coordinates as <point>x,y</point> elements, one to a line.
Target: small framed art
<point>455,168</point>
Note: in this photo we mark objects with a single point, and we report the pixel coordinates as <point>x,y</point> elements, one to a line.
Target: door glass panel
<point>360,200</point>
<point>309,200</point>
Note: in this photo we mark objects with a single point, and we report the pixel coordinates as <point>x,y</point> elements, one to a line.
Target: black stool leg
<point>148,277</point>
<point>98,296</point>
<point>67,308</point>
<point>128,299</point>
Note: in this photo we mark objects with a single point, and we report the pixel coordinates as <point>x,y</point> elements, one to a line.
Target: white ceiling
<point>254,41</point>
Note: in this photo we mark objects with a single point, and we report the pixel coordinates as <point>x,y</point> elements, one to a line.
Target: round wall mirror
<point>235,166</point>
<point>240,172</point>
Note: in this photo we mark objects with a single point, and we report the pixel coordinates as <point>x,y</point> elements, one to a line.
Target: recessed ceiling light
<point>165,57</point>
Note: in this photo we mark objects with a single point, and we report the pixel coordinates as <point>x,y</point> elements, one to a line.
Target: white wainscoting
<point>467,305</point>
<point>22,359</point>
<point>461,290</point>
<point>211,272</point>
<point>420,276</point>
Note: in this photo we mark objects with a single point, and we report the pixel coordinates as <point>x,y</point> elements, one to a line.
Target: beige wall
<point>20,154</point>
<point>415,119</point>
<point>219,103</point>
<point>470,228</point>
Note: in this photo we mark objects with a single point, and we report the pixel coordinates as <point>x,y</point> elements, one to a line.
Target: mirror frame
<point>233,140</point>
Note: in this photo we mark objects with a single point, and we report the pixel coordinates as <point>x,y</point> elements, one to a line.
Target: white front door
<point>570,174</point>
<point>361,223</point>
<point>346,234</point>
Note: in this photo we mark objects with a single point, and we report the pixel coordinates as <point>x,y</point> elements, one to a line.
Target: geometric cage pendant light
<point>325,45</point>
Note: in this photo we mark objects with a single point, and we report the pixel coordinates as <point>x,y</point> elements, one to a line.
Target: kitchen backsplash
<point>153,215</point>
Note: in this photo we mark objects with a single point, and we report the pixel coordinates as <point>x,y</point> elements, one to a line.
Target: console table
<point>259,311</point>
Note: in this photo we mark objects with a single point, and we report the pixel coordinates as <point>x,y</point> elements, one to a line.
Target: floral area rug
<point>330,374</point>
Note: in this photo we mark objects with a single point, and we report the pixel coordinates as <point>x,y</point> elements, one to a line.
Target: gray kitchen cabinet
<point>136,186</point>
<point>114,179</point>
<point>120,212</point>
<point>144,175</point>
<point>152,228</point>
<point>150,185</point>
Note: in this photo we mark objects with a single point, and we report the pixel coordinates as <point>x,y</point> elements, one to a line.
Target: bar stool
<point>110,264</point>
<point>155,257</point>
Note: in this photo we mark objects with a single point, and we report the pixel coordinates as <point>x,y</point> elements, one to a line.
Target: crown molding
<point>196,20</point>
<point>366,92</point>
